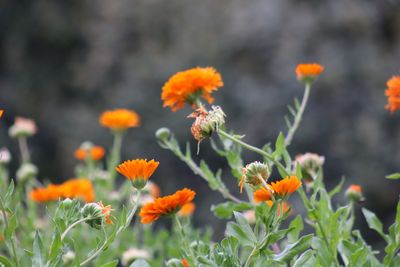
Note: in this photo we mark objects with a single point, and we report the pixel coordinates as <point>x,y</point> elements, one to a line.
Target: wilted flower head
<point>206,122</point>
<point>187,87</point>
<point>393,93</point>
<point>119,119</point>
<point>166,205</point>
<point>132,254</point>
<point>310,163</point>
<point>308,73</point>
<point>138,171</point>
<point>88,151</point>
<point>22,127</point>
<point>26,172</point>
<point>253,173</point>
<point>5,156</point>
<point>354,193</point>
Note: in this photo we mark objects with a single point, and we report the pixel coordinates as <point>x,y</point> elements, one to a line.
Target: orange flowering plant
<point>280,213</point>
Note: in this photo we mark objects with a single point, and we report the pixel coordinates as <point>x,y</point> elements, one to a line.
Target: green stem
<point>24,149</point>
<point>184,239</point>
<point>299,115</point>
<point>248,261</point>
<point>64,234</point>
<point>115,154</point>
<point>120,229</point>
<point>12,241</point>
<point>254,149</point>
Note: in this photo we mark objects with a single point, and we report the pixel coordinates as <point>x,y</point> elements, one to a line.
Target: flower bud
<point>206,122</point>
<point>68,257</point>
<point>26,172</point>
<point>132,254</point>
<point>163,133</point>
<point>253,173</point>
<point>22,128</point>
<point>308,73</point>
<point>354,193</point>
<point>5,156</point>
<point>67,203</point>
<point>310,164</point>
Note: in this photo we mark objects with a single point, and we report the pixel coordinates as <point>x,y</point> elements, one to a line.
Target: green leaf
<point>110,264</point>
<point>139,263</point>
<point>374,223</point>
<point>38,252</point>
<point>306,259</point>
<point>393,176</point>
<point>6,262</point>
<point>296,226</point>
<point>55,246</point>
<point>12,225</point>
<point>337,188</point>
<point>234,229</point>
<point>280,144</point>
<point>10,191</point>
<point>226,209</point>
<point>294,249</point>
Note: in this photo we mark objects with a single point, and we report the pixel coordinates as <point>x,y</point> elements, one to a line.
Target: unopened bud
<point>26,172</point>
<point>253,173</point>
<point>93,211</point>
<point>310,164</point>
<point>163,133</point>
<point>354,193</point>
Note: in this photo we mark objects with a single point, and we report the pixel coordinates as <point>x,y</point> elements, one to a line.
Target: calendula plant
<point>90,220</point>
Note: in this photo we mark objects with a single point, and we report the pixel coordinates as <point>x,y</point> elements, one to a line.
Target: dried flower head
<point>22,127</point>
<point>187,87</point>
<point>206,122</point>
<point>308,73</point>
<point>286,186</point>
<point>187,210</point>
<point>119,119</point>
<point>354,193</point>
<point>90,152</point>
<point>166,205</point>
<point>138,171</point>
<point>393,93</point>
<point>310,163</point>
<point>253,173</point>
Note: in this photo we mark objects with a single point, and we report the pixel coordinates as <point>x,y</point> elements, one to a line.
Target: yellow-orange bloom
<point>393,94</point>
<point>166,205</point>
<point>308,72</point>
<point>286,186</point>
<point>94,153</point>
<point>138,171</point>
<point>261,195</point>
<point>185,263</point>
<point>119,119</point>
<point>1,113</point>
<point>74,188</point>
<point>187,210</point>
<point>106,211</point>
<point>189,85</point>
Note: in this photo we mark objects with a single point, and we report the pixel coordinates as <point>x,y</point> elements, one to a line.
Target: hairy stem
<point>299,115</point>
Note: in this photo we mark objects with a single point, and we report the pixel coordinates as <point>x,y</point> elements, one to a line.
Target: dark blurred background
<point>64,62</point>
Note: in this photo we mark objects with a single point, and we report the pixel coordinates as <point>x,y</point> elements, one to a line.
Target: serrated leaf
<point>294,249</point>
<point>393,176</point>
<point>139,263</point>
<point>373,222</point>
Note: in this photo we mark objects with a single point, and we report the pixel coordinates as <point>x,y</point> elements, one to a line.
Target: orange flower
<point>74,188</point>
<point>138,171</point>
<point>285,206</point>
<point>106,211</point>
<point>187,210</point>
<point>185,263</point>
<point>95,153</point>
<point>119,119</point>
<point>393,94</point>
<point>261,195</point>
<point>308,72</point>
<point>285,186</point>
<point>166,205</point>
<point>189,85</point>
<point>1,113</point>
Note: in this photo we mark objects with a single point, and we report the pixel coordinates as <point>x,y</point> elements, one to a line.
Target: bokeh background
<point>64,62</point>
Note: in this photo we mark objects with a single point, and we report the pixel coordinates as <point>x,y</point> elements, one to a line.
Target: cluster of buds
<point>354,193</point>
<point>97,214</point>
<point>310,164</point>
<point>22,128</point>
<point>206,122</point>
<point>254,173</point>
